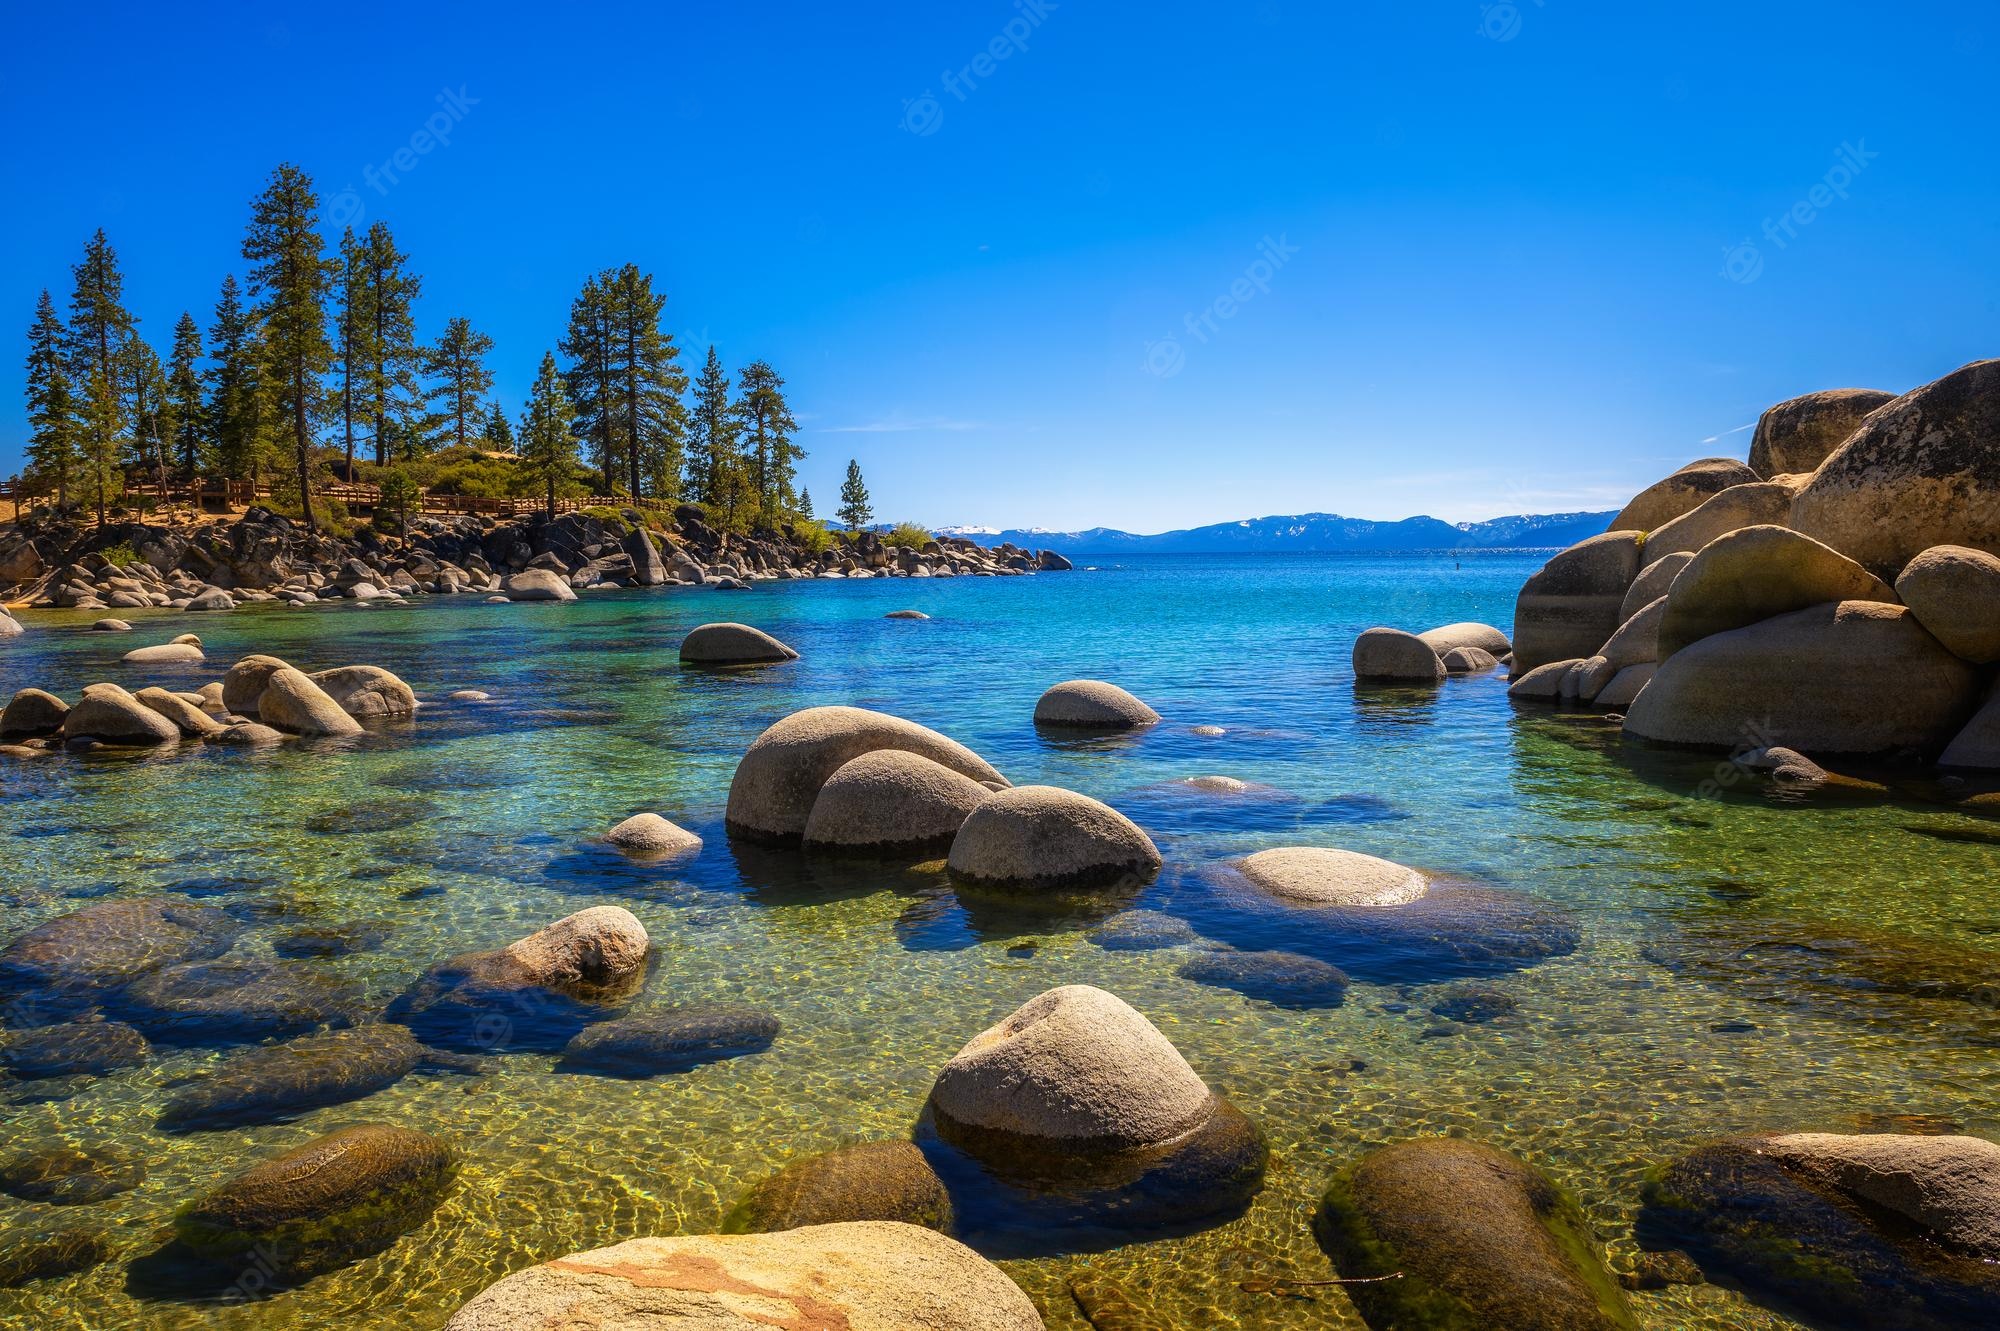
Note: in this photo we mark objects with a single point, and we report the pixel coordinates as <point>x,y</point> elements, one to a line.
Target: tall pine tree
<point>189,441</point>
<point>548,438</point>
<point>393,392</point>
<point>587,346</point>
<point>625,375</point>
<point>146,383</point>
<point>103,437</point>
<point>713,453</point>
<point>99,324</point>
<point>768,428</point>
<point>239,409</point>
<point>499,430</point>
<point>290,277</point>
<point>55,438</point>
<point>356,337</point>
<point>855,511</point>
<point>458,363</point>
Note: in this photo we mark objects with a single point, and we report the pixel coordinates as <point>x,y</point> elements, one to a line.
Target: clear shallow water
<point>1744,963</point>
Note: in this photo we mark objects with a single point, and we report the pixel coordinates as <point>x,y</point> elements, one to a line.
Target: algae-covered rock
<point>64,1175</point>
<point>276,1082</point>
<point>866,1181</point>
<point>1481,1239</point>
<point>673,1039</point>
<point>335,1199</point>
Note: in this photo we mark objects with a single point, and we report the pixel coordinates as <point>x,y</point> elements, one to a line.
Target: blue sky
<point>1514,238</point>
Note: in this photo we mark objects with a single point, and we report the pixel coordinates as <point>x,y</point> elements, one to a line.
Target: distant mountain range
<point>1308,533</point>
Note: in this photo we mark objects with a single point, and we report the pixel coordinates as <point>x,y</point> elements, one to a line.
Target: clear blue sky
<point>1506,229</point>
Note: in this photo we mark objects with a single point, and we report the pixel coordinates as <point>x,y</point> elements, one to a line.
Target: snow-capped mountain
<point>1309,533</point>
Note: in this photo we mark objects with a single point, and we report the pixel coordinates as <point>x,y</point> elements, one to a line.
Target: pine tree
<point>854,512</point>
<point>768,428</point>
<point>99,323</point>
<point>713,452</point>
<point>146,381</point>
<point>587,346</point>
<point>548,433</point>
<point>806,505</point>
<point>291,274</point>
<point>499,430</point>
<point>392,390</point>
<point>189,436</point>
<point>458,363</point>
<point>356,347</point>
<point>103,437</point>
<point>55,443</point>
<point>238,413</point>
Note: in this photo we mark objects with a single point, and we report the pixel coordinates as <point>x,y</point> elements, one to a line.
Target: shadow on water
<point>1173,807</point>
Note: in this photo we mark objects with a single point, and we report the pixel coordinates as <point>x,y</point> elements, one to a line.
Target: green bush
<point>121,553</point>
<point>908,533</point>
<point>811,536</point>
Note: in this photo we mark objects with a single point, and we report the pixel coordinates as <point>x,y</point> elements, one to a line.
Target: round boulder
<point>1472,1237</point>
<point>166,653</point>
<point>244,684</point>
<point>72,1048</point>
<point>291,701</point>
<point>866,1181</point>
<point>188,719</point>
<point>1653,582</point>
<point>1920,471</point>
<point>111,626</point>
<point>1683,492</point>
<point>110,715</point>
<point>650,836</point>
<point>366,691</point>
<point>1482,636</point>
<point>1469,661</point>
<point>1796,436</point>
<point>1092,704</point>
<point>891,802</point>
<point>733,644</point>
<point>1849,677</point>
<point>337,1198</point>
<point>1046,837</point>
<point>867,1275</point>
<point>1075,1069</point>
<point>272,1083</point>
<point>1763,503</point>
<point>776,785</point>
<point>1755,574</point>
<point>1391,654</point>
<point>537,584</point>
<point>1955,593</point>
<point>1318,876</point>
<point>32,712</point>
<point>1569,607</point>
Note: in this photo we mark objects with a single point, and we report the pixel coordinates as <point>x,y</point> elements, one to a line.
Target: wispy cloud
<point>1717,438</point>
<point>900,424</point>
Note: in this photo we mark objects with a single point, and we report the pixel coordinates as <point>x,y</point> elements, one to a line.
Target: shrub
<point>120,554</point>
<point>908,533</point>
<point>811,536</point>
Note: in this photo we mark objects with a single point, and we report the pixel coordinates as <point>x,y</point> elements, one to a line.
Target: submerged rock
<point>335,1199</point>
<point>1143,931</point>
<point>87,955</point>
<point>225,1001</point>
<point>779,779</point>
<point>1043,837</point>
<point>891,802</point>
<point>1092,704</point>
<point>1282,979</point>
<point>1475,1237</point>
<point>50,1256</point>
<point>276,1082</point>
<point>66,1176</point>
<point>651,836</point>
<point>733,644</point>
<point>674,1039</point>
<point>866,1181</point>
<point>70,1048</point>
<point>870,1276</point>
<point>1856,1232</point>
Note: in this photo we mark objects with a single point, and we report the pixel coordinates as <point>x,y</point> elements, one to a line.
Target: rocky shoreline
<point>263,556</point>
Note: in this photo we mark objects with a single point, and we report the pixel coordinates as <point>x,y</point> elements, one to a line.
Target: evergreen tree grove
<point>55,438</point>
<point>768,427</point>
<point>238,407</point>
<point>624,372</point>
<point>103,431</point>
<point>391,388</point>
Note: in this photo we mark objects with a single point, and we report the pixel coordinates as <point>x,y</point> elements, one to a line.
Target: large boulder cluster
<point>264,556</point>
<point>1395,656</point>
<point>1838,595</point>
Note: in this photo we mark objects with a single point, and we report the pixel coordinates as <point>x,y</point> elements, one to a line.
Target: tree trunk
<point>305,467</point>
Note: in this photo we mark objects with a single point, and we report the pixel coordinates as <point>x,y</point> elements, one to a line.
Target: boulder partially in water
<point>771,797</point>
<point>1392,655</point>
<point>339,1197</point>
<point>675,1039</point>
<point>732,644</point>
<point>110,715</point>
<point>1855,1232</point>
<point>176,652</point>
<point>1568,608</point>
<point>537,992</point>
<point>1324,876</point>
<point>244,683</point>
<point>273,1083</point>
<point>1472,1236</point>
<point>537,584</point>
<point>868,1275</point>
<point>649,836</point>
<point>891,802</point>
<point>866,1181</point>
<point>1092,704</point>
<point>365,690</point>
<point>291,701</point>
<point>1038,837</point>
<point>31,713</point>
<point>1469,661</point>
<point>188,719</point>
<point>1481,637</point>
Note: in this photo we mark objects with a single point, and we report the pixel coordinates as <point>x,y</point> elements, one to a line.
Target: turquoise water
<point>1743,961</point>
